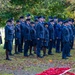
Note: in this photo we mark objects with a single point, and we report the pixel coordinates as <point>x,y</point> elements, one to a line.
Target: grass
<point>32,63</point>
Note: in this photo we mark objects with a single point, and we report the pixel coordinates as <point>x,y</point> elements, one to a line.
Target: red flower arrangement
<point>56,71</point>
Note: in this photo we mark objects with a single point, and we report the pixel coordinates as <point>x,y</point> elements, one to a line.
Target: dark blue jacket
<point>8,33</point>
<point>73,29</point>
<point>70,32</point>
<point>22,27</point>
<point>55,25</point>
<point>51,32</point>
<point>32,33</point>
<point>65,34</point>
<point>40,31</point>
<point>46,34</point>
<point>17,32</point>
<point>58,31</point>
<point>26,32</point>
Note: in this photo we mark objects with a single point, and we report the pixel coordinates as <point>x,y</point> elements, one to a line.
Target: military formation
<point>39,37</point>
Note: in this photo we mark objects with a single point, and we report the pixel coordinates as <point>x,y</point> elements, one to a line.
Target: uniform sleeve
<point>15,31</point>
<point>6,33</point>
<point>38,31</point>
<point>50,33</point>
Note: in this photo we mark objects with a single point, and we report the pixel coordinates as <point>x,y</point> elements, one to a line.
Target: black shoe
<point>34,52</point>
<point>51,54</point>
<point>8,59</point>
<point>58,52</point>
<point>26,55</point>
<point>11,54</point>
<point>16,53</point>
<point>69,56</point>
<point>44,54</point>
<point>39,56</point>
<point>64,58</point>
<point>31,54</point>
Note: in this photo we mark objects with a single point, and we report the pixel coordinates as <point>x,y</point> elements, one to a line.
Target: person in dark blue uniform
<point>46,39</point>
<point>51,37</point>
<point>8,38</point>
<point>70,37</point>
<point>58,35</point>
<point>55,24</point>
<point>33,41</point>
<point>39,36</point>
<point>22,22</point>
<point>28,16</point>
<point>61,35</point>
<point>65,40</point>
<point>12,20</point>
<point>73,30</point>
<point>27,37</point>
<point>17,37</point>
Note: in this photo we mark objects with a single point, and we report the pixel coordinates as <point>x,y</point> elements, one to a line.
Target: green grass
<point>32,63</point>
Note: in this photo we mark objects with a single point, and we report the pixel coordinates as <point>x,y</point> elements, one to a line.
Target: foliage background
<point>15,8</point>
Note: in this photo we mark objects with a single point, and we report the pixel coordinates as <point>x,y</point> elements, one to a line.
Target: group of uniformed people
<point>38,35</point>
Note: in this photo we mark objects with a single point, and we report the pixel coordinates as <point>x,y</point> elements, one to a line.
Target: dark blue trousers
<point>18,44</point>
<point>26,47</point>
<point>39,46</point>
<point>22,39</point>
<point>50,47</point>
<point>65,49</point>
<point>58,45</point>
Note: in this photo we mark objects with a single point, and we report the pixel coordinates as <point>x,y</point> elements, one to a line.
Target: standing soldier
<point>17,37</point>
<point>55,24</point>
<point>22,22</point>
<point>40,36</point>
<point>51,37</point>
<point>27,37</point>
<point>28,16</point>
<point>33,38</point>
<point>65,40</point>
<point>58,35</point>
<point>73,29</point>
<point>70,36</point>
<point>12,21</point>
<point>8,38</point>
<point>46,39</point>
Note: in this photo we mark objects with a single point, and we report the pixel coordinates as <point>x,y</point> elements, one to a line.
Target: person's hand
<point>50,39</point>
<point>38,38</point>
<point>16,38</point>
<point>57,37</point>
<point>6,41</point>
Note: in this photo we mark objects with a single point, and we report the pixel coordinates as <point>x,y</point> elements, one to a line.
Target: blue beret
<point>43,17</point>
<point>27,19</point>
<point>21,17</point>
<point>39,17</point>
<point>35,17</point>
<point>45,23</point>
<point>50,17</point>
<point>28,15</point>
<point>9,20</point>
<point>17,21</point>
<point>36,20</point>
<point>55,17</point>
<point>52,21</point>
<point>59,20</point>
<point>32,22</point>
<point>72,20</point>
<point>65,21</point>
